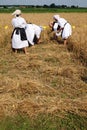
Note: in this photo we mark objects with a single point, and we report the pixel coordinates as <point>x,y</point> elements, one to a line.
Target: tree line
<point>40,6</point>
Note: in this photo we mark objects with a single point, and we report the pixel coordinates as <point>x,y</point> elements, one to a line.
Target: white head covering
<point>57,17</point>
<point>16,12</point>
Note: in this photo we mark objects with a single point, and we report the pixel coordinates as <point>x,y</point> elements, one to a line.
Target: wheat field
<point>50,78</point>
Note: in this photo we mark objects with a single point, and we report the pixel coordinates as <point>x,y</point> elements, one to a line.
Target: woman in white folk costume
<point>65,28</point>
<point>19,38</point>
<point>33,32</point>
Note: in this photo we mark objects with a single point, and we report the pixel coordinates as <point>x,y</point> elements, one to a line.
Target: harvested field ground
<point>50,79</point>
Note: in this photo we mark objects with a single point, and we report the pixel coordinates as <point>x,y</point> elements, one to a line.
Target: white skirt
<point>67,31</point>
<point>17,43</point>
<point>30,33</point>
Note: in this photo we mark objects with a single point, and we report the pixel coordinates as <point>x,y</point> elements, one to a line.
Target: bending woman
<point>33,33</point>
<point>65,28</point>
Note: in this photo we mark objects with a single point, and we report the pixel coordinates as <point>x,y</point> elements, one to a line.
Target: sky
<point>80,3</point>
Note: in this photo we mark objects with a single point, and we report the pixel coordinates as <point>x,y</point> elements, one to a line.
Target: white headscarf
<point>16,12</point>
<point>57,17</point>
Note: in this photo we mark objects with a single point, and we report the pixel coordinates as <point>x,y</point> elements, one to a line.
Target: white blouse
<point>18,22</point>
<point>62,22</point>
